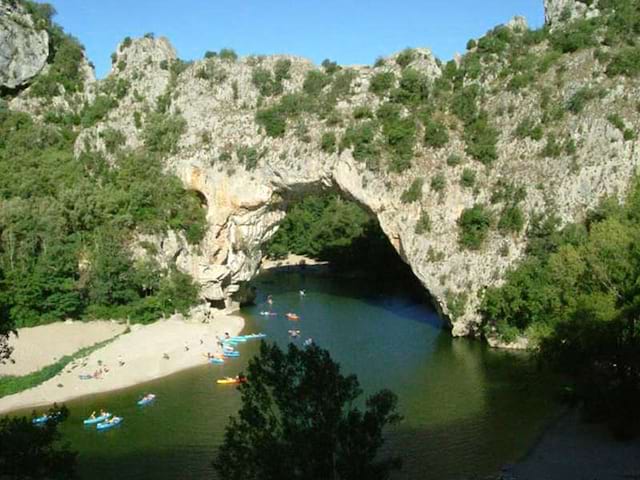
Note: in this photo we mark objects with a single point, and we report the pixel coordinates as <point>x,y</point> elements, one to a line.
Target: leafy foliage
<point>162,132</point>
<point>576,295</point>
<point>328,142</point>
<point>300,402</point>
<point>414,192</point>
<point>58,213</point>
<point>29,451</point>
<point>382,82</point>
<point>424,223</point>
<point>474,226</point>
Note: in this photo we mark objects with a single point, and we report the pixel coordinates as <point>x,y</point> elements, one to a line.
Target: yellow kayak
<point>229,380</point>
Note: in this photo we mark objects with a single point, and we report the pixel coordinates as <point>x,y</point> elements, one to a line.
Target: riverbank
<point>292,261</point>
<point>36,347</point>
<point>570,448</point>
<point>145,353</point>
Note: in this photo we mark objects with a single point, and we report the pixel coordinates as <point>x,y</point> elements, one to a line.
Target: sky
<point>347,31</point>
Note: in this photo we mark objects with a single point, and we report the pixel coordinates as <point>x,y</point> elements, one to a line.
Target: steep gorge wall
<point>244,205</point>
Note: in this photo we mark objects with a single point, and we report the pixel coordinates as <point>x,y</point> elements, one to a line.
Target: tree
<point>297,421</point>
<point>29,451</point>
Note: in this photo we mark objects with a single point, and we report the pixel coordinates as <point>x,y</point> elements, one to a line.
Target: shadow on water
<point>400,294</point>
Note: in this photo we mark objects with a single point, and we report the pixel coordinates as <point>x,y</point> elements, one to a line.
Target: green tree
<point>297,421</point>
<point>31,452</point>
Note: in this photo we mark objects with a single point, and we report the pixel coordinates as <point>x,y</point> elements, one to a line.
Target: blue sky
<point>347,31</point>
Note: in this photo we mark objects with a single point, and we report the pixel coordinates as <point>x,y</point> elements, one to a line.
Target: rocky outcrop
<point>24,48</point>
<point>561,11</point>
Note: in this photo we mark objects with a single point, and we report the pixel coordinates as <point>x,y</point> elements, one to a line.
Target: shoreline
<point>292,262</point>
<point>570,448</point>
<point>147,352</point>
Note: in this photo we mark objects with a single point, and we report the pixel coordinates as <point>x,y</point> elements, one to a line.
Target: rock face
<point>23,47</point>
<point>560,11</point>
<point>218,100</point>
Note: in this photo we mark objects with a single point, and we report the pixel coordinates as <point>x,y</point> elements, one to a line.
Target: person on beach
<point>120,361</point>
<point>226,336</point>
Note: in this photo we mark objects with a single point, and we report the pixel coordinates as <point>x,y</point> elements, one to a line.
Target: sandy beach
<point>37,347</point>
<point>292,260</point>
<point>146,353</point>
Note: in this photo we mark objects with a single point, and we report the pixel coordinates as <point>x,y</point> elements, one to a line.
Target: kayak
<point>231,354</point>
<point>229,381</point>
<point>268,314</point>
<point>146,400</point>
<point>292,316</point>
<point>114,422</point>
<point>238,339</point>
<point>217,361</point>
<point>101,418</point>
<point>41,419</point>
<point>253,336</point>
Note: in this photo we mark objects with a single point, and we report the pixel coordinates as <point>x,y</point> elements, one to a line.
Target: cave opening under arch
<point>328,225</point>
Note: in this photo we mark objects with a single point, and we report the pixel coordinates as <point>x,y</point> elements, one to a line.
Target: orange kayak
<point>292,316</point>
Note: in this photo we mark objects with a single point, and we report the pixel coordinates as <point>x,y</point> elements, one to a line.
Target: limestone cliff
<point>24,46</point>
<point>557,12</point>
<point>582,158</point>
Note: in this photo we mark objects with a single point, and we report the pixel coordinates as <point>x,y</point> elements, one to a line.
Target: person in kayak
<point>93,415</point>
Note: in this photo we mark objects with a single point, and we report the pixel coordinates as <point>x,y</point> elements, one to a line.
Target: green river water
<point>467,410</point>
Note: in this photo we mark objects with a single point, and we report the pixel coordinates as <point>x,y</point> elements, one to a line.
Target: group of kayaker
<point>293,333</point>
<point>103,413</point>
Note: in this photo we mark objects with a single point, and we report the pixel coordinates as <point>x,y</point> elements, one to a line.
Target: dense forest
<point>67,221</point>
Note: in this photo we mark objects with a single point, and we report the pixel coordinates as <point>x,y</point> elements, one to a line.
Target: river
<point>467,410</point>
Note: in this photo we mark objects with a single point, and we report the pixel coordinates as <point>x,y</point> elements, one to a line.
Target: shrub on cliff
<point>474,224</point>
<point>481,139</point>
<point>228,54</point>
<point>414,192</point>
<point>382,82</point>
<point>162,132</point>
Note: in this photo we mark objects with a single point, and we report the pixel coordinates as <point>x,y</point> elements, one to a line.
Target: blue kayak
<point>101,418</point>
<point>253,336</point>
<point>41,419</point>
<point>114,422</point>
<point>231,354</point>
<point>146,400</point>
<point>238,339</point>
<point>217,361</point>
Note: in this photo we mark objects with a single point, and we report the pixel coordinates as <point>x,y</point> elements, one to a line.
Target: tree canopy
<point>28,451</point>
<point>298,421</point>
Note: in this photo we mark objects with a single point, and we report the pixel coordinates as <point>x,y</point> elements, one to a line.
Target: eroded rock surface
<point>24,47</point>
